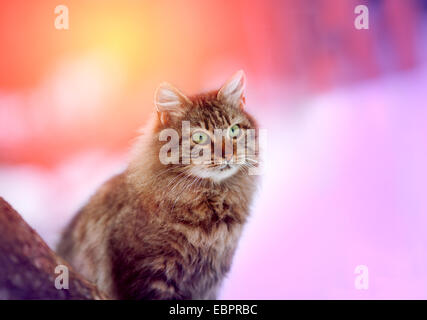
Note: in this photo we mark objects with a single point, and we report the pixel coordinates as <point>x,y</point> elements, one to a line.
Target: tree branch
<point>27,264</point>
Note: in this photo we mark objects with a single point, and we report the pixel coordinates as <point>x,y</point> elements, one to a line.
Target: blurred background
<point>345,111</point>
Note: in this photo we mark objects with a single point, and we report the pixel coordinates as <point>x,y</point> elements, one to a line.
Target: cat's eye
<point>200,137</point>
<point>234,131</point>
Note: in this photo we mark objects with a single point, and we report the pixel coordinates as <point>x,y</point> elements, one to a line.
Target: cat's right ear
<point>170,102</point>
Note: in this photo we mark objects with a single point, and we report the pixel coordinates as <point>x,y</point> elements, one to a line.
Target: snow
<point>344,185</point>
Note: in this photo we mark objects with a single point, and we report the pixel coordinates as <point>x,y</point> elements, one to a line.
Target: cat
<point>170,231</point>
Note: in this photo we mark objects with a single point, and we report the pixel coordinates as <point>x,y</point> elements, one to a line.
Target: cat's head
<point>212,131</point>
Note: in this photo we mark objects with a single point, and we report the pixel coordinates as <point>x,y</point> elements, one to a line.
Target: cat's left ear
<point>170,102</point>
<point>233,91</point>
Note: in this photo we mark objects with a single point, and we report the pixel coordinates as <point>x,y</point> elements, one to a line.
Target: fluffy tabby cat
<point>160,231</point>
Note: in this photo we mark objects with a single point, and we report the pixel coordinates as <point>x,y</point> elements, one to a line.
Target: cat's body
<point>159,232</point>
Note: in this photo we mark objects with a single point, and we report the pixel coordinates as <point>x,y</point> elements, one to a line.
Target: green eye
<point>200,137</point>
<point>234,131</point>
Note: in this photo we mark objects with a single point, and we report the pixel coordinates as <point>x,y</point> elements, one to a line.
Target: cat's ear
<point>170,102</point>
<point>233,91</point>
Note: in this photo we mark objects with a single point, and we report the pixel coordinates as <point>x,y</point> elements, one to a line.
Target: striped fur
<point>154,232</point>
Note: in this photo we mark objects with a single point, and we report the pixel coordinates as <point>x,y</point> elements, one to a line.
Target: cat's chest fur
<point>188,245</point>
<point>211,226</point>
<point>212,223</point>
<point>209,212</point>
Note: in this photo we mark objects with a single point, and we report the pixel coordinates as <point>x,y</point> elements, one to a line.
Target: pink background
<point>345,111</point>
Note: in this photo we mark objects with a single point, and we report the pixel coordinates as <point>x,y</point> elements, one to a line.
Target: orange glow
<point>92,85</point>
